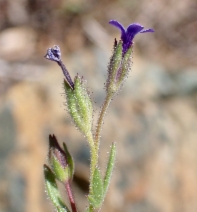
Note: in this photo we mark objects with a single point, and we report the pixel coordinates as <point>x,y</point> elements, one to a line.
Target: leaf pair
<point>100,186</point>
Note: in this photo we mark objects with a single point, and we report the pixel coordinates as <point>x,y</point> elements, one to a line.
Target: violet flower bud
<point>53,54</point>
<point>60,160</point>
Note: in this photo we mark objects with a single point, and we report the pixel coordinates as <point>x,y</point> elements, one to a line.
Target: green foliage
<point>61,173</point>
<point>79,105</point>
<point>70,161</point>
<point>118,69</point>
<point>60,160</point>
<point>97,195</point>
<point>113,69</point>
<point>52,190</point>
<point>99,187</point>
<point>110,167</point>
<point>126,67</point>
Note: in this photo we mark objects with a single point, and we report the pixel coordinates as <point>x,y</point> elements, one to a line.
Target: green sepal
<point>118,69</point>
<point>126,67</point>
<point>116,60</point>
<point>110,167</point>
<point>96,196</point>
<point>52,190</point>
<point>70,161</point>
<point>60,160</point>
<point>114,65</point>
<point>79,105</point>
<point>61,173</point>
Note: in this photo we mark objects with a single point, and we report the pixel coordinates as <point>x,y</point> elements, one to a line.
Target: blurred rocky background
<point>153,119</point>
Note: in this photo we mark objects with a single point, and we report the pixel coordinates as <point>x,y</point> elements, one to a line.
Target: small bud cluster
<point>53,54</point>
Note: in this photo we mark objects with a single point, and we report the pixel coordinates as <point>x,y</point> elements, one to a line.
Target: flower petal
<point>134,29</point>
<point>53,54</point>
<point>147,30</point>
<point>128,35</point>
<point>119,26</point>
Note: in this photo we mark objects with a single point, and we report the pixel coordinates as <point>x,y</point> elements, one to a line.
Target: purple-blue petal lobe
<point>134,28</point>
<point>53,54</point>
<point>119,26</point>
<point>147,30</point>
<point>128,35</point>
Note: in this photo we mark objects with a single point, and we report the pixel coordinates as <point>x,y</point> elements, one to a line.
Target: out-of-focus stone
<point>174,42</point>
<point>17,12</point>
<point>17,43</point>
<point>16,191</point>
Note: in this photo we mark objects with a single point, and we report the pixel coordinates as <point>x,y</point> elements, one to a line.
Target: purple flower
<point>53,54</point>
<point>128,34</point>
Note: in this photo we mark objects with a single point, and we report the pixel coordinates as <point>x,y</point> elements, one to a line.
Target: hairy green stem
<point>94,158</point>
<point>100,121</point>
<point>94,144</point>
<point>93,163</point>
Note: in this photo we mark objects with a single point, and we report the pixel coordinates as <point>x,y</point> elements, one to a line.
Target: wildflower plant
<point>79,106</point>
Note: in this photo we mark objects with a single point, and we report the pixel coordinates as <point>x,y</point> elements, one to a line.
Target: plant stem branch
<point>70,196</point>
<point>100,121</point>
<point>94,144</point>
<point>94,158</point>
<point>66,74</point>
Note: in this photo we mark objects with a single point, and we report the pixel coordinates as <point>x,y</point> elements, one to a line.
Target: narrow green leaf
<point>52,190</point>
<point>70,161</point>
<point>97,195</point>
<point>110,167</point>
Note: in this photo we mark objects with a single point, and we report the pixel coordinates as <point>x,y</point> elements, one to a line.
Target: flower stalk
<point>70,196</point>
<point>101,120</point>
<point>93,158</point>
